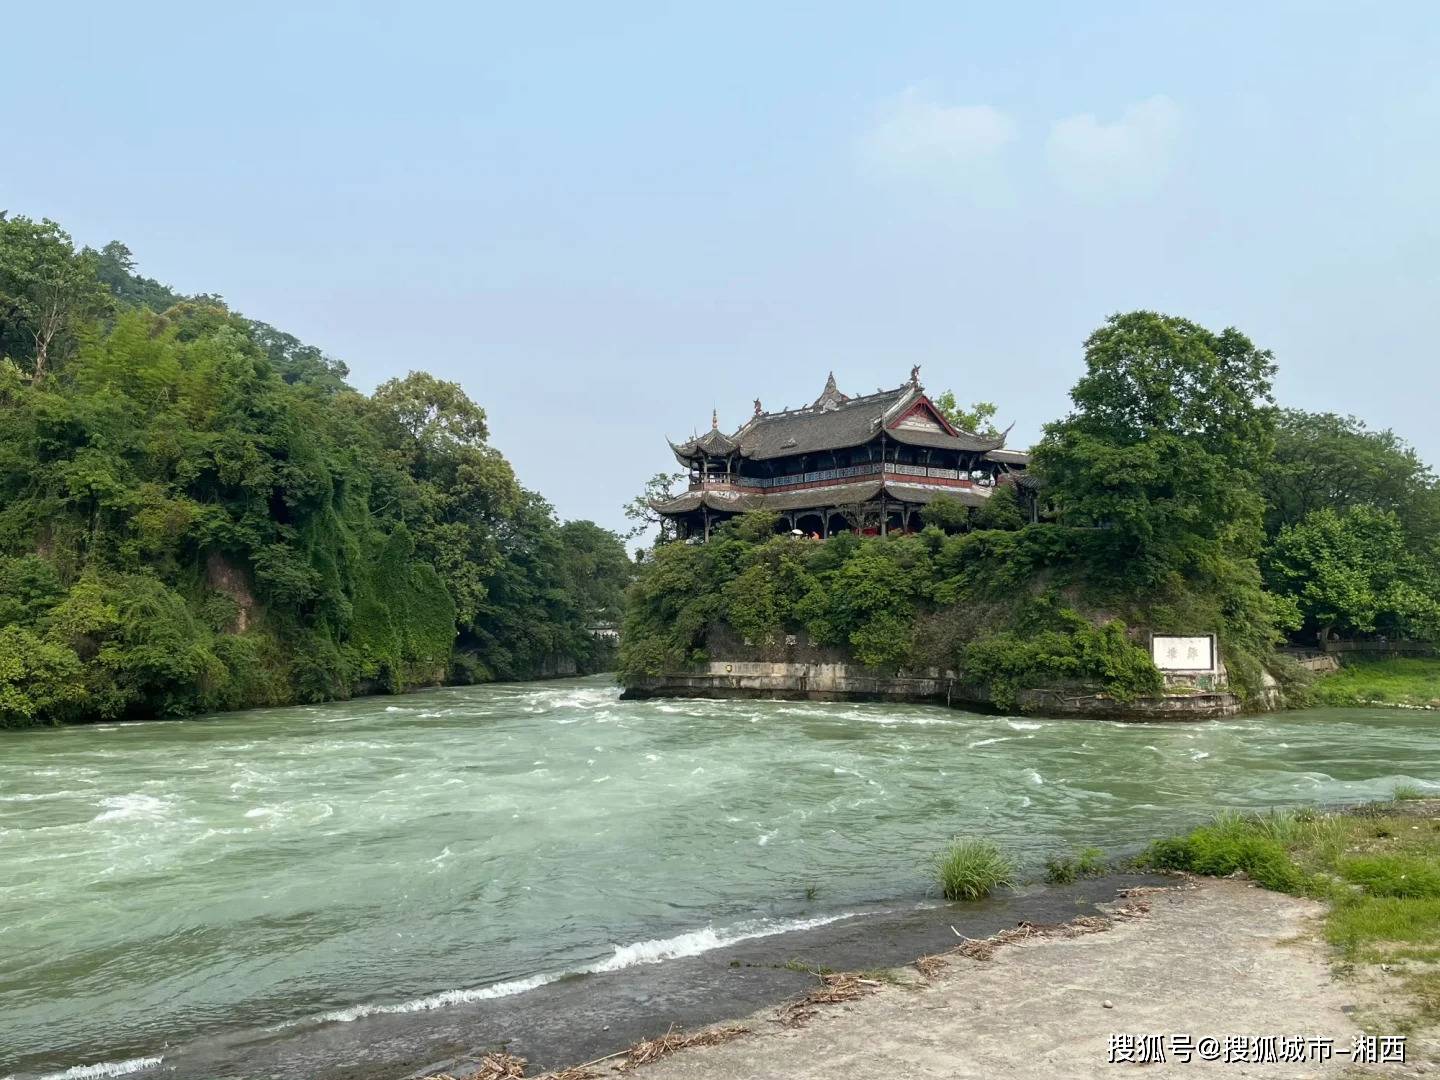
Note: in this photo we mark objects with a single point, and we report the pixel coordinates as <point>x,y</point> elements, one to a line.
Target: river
<point>169,881</point>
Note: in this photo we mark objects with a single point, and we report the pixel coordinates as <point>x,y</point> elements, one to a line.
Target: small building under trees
<point>865,464</point>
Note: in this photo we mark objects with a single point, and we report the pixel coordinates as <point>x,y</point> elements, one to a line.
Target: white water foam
<point>434,1001</point>
<point>105,1068</point>
<point>691,943</point>
<point>135,805</point>
<point>696,942</point>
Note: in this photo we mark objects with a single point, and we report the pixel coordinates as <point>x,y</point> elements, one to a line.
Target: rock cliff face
<point>230,580</point>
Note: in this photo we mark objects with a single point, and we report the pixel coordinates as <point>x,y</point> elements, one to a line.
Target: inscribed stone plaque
<point>1174,653</point>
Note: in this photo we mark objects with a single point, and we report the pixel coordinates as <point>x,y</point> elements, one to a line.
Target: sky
<point>605,221</point>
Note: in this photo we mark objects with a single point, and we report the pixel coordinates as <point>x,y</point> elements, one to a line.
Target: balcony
<point>849,474</point>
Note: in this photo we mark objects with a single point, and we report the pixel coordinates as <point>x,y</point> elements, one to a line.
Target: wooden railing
<point>918,473</point>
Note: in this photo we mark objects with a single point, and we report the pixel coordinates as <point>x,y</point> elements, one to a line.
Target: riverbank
<point>1401,682</point>
<point>1216,959</point>
<point>1202,958</point>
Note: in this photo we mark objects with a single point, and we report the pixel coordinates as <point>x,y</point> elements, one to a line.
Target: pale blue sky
<point>603,220</point>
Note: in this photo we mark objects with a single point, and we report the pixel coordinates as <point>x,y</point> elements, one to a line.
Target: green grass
<point>1393,875</point>
<point>1065,869</point>
<point>970,869</point>
<point>1407,793</point>
<point>1403,681</point>
<point>1379,866</point>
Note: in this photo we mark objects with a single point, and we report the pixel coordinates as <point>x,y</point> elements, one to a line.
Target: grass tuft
<point>970,869</point>
<point>1407,793</point>
<point>1066,869</point>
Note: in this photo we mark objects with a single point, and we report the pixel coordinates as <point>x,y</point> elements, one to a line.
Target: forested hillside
<point>197,512</point>
<point>1175,497</point>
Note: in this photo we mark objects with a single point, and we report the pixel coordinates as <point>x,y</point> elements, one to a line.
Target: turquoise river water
<point>171,880</point>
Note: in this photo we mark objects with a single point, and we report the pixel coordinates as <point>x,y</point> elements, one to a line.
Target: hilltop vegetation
<point>197,512</point>
<point>1169,505</point>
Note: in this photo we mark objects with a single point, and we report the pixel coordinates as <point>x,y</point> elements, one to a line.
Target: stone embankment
<point>837,681</point>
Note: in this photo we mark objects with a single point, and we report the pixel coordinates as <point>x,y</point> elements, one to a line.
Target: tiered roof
<point>835,421</point>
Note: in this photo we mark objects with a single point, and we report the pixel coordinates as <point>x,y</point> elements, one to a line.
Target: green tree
<point>197,513</point>
<point>641,509</point>
<point>1327,461</point>
<point>48,293</point>
<point>946,513</point>
<point>1353,572</point>
<point>978,419</point>
<point>1171,427</point>
<point>1001,510</point>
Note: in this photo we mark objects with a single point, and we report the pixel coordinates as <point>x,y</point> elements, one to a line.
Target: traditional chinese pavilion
<point>865,464</point>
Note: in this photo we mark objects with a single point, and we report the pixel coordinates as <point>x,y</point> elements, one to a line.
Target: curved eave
<point>1009,457</point>
<point>690,501</point>
<point>970,444</point>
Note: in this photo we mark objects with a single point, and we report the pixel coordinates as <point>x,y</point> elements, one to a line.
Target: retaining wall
<point>851,682</point>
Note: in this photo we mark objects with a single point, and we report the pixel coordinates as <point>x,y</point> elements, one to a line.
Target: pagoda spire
<point>714,419</point>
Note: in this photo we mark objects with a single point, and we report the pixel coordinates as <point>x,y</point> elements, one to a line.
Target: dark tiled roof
<point>839,495</point>
<point>713,442</point>
<point>828,427</point>
<point>835,422</point>
<point>911,493</point>
<point>1009,457</point>
<point>942,441</point>
<point>734,502</point>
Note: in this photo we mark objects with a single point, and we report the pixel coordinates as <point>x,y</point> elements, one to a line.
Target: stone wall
<point>836,681</point>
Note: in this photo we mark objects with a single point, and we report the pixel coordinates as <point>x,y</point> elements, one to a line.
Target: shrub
<point>946,513</point>
<point>971,869</point>
<point>1008,662</point>
<point>1001,510</point>
<point>1218,850</point>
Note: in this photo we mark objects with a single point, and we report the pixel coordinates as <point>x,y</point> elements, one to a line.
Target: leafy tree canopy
<point>1327,461</point>
<point>978,419</point>
<point>196,512</point>
<point>1354,572</point>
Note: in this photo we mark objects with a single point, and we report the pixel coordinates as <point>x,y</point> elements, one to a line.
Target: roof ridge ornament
<point>757,406</point>
<point>714,419</point>
<point>915,376</point>
<point>830,398</point>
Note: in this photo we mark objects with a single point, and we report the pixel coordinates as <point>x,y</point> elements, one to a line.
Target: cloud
<point>914,135</point>
<point>1130,155</point>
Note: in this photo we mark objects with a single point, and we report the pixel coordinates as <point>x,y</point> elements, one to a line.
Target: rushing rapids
<point>170,881</point>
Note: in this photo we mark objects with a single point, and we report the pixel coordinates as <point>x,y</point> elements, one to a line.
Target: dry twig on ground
<point>648,1050</point>
<point>931,965</point>
<point>496,1066</point>
<point>836,987</point>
